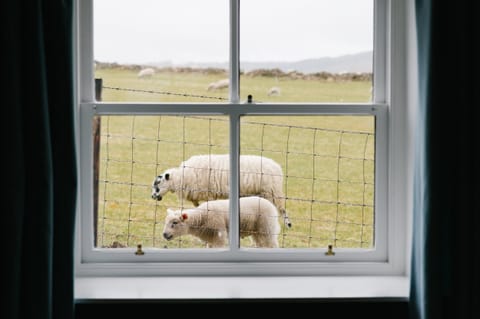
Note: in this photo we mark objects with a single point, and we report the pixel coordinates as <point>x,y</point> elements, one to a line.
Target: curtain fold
<point>40,159</point>
<point>445,260</point>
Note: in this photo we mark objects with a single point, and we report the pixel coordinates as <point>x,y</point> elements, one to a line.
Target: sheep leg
<point>265,241</point>
<point>219,240</point>
<point>286,220</point>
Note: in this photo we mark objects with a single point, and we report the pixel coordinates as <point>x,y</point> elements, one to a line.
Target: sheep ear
<point>167,176</point>
<point>184,216</point>
<point>170,211</point>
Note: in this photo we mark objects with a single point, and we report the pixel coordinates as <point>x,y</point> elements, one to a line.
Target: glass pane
<point>149,50</point>
<point>132,202</point>
<point>306,50</point>
<point>319,169</point>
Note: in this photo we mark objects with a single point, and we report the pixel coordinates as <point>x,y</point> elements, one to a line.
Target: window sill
<point>88,289</point>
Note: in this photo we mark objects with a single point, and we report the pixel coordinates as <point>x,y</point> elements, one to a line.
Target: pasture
<point>328,161</point>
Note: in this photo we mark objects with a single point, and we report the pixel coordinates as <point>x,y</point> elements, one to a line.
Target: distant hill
<point>352,63</point>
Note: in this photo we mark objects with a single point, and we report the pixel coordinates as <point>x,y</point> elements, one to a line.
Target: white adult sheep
<point>210,222</point>
<point>220,84</point>
<point>146,73</point>
<point>206,177</point>
<point>274,91</point>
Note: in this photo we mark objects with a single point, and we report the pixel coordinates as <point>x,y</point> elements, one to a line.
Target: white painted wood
<point>388,257</point>
<point>171,288</point>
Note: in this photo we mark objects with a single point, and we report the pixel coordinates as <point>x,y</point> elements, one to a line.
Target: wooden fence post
<point>96,159</point>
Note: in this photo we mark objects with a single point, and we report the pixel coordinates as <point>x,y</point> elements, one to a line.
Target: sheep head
<point>161,185</point>
<point>175,225</point>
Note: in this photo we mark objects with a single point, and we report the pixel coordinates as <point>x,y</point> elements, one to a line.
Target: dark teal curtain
<point>38,212</point>
<point>446,246</point>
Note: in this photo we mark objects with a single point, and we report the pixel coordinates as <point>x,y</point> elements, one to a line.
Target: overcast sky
<point>183,31</point>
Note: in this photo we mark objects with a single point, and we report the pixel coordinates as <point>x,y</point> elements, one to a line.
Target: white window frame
<point>388,256</point>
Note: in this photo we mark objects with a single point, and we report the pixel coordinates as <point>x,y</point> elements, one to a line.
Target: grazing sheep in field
<point>210,222</point>
<point>146,73</point>
<point>221,84</point>
<point>274,91</point>
<point>206,177</point>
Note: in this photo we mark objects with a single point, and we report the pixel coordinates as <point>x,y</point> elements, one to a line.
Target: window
<point>234,85</point>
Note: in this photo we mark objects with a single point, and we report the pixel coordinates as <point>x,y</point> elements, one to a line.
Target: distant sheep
<point>274,91</point>
<point>146,73</point>
<point>221,84</point>
<point>206,177</point>
<point>210,222</point>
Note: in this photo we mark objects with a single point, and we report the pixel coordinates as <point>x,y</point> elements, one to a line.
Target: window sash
<point>89,108</point>
<point>234,252</point>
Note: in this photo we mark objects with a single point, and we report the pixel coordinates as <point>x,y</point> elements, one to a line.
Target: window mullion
<point>234,233</point>
<point>234,51</point>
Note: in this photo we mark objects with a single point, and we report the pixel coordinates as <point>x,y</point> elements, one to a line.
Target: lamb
<point>146,73</point>
<point>220,84</point>
<point>210,222</point>
<point>206,177</point>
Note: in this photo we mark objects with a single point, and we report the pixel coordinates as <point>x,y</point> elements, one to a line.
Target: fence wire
<point>129,163</point>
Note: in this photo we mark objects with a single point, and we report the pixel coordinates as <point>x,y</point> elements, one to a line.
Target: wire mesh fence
<point>327,165</point>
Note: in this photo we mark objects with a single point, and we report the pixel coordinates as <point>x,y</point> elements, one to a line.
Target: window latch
<point>139,251</point>
<point>330,251</point>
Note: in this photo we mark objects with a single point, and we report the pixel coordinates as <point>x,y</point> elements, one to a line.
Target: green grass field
<point>327,160</point>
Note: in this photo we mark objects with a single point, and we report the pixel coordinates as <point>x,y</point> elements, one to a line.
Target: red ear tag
<point>184,216</point>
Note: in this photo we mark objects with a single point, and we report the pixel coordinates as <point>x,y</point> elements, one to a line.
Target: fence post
<point>96,159</point>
